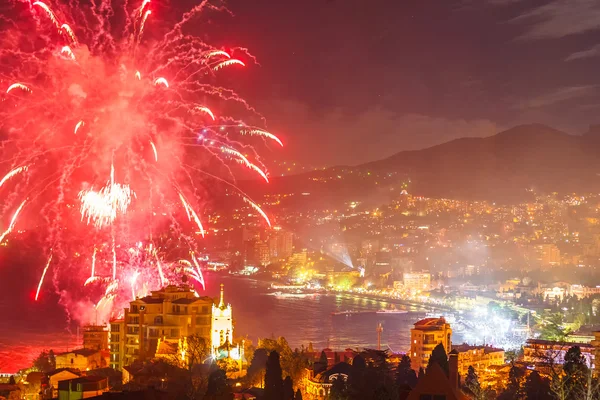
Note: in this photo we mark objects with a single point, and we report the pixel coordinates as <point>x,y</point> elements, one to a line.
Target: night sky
<point>355,80</point>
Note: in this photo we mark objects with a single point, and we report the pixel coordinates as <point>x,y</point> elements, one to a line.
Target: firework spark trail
<point>227,63</point>
<point>104,88</point>
<point>260,132</point>
<point>155,152</point>
<point>205,110</point>
<point>160,270</point>
<point>134,278</point>
<point>12,222</point>
<point>79,125</point>
<point>48,12</point>
<point>146,15</point>
<point>244,161</point>
<point>161,81</point>
<point>37,293</point>
<point>12,173</point>
<point>197,273</point>
<point>191,213</point>
<point>93,273</point>
<point>66,28</point>
<point>66,50</point>
<point>18,86</point>
<point>258,209</point>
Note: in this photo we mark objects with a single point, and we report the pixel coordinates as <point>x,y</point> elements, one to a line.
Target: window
<point>158,320</point>
<point>425,397</point>
<point>204,309</point>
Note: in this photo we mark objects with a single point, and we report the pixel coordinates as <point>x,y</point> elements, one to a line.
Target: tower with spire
<point>222,324</point>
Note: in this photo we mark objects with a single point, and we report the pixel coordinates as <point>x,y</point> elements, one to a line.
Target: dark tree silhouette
<point>439,357</point>
<point>514,388</point>
<point>536,388</point>
<point>322,364</point>
<point>273,378</point>
<point>298,395</point>
<point>288,388</point>
<point>257,367</point>
<point>405,375</point>
<point>339,389</point>
<point>11,380</point>
<point>575,371</point>
<point>217,386</point>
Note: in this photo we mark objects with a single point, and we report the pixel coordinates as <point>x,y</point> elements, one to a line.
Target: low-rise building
<point>417,281</point>
<point>318,386</point>
<point>59,375</point>
<point>548,351</point>
<point>82,388</point>
<point>481,358</point>
<point>82,359</point>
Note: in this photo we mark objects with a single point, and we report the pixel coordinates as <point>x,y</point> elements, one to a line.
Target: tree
<point>514,388</point>
<point>536,388</point>
<point>11,380</point>
<point>198,350</point>
<point>298,395</point>
<point>293,362</point>
<point>256,370</point>
<point>405,375</point>
<point>575,372</point>
<point>321,365</point>
<point>273,378</point>
<point>52,359</point>
<point>288,388</point>
<point>217,386</point>
<point>356,380</point>
<point>439,357</point>
<point>339,390</point>
<point>42,362</point>
<point>473,387</point>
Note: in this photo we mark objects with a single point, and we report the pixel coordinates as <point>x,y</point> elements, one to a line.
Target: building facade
<point>221,324</point>
<point>548,351</point>
<point>417,281</point>
<point>117,343</point>
<point>95,337</point>
<point>426,334</point>
<point>481,358</point>
<point>170,314</point>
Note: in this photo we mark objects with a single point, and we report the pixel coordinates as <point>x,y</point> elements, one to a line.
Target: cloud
<point>589,53</point>
<point>558,96</point>
<point>559,18</point>
<point>342,137</point>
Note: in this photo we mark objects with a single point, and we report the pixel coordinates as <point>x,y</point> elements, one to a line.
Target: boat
<point>392,311</point>
<point>351,312</point>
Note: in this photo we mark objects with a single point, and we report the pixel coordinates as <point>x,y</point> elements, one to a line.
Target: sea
<point>258,312</point>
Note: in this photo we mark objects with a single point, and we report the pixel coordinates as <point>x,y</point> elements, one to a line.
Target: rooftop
<point>80,352</point>
<point>566,345</point>
<point>461,348</point>
<point>430,323</point>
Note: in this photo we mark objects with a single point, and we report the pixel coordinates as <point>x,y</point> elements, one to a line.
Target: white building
<point>417,281</point>
<point>222,324</point>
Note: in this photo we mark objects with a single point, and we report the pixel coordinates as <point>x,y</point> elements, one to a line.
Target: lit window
<point>414,354</point>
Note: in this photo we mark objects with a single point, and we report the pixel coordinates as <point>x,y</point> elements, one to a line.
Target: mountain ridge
<point>502,167</point>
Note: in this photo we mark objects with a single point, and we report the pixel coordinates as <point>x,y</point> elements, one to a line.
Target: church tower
<point>222,324</point>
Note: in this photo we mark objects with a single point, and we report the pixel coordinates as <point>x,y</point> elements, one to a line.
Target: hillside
<point>499,168</point>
